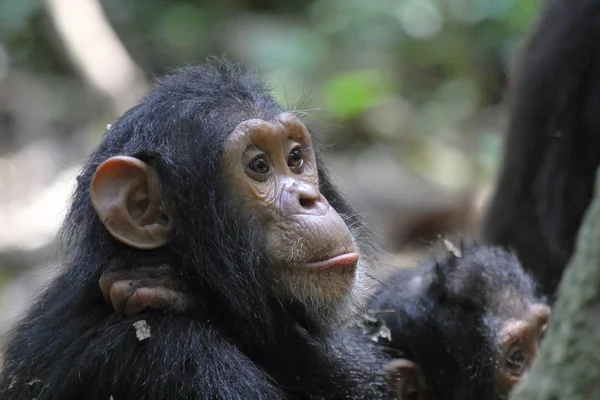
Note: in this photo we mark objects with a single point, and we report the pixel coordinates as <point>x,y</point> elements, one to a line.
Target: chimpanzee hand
<point>133,291</point>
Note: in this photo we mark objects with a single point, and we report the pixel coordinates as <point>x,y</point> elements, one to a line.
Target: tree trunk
<point>568,366</point>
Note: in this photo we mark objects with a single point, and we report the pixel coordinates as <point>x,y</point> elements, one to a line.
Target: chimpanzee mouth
<point>342,261</point>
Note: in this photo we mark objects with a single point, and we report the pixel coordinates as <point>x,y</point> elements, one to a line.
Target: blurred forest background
<point>408,95</point>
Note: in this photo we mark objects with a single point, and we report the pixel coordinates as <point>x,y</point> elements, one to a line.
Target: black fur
<point>553,145</point>
<point>241,343</point>
<point>444,316</point>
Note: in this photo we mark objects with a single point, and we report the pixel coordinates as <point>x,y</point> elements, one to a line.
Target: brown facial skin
<point>270,167</point>
<point>518,344</point>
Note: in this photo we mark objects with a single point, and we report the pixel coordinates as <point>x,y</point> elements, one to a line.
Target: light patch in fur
<point>142,330</point>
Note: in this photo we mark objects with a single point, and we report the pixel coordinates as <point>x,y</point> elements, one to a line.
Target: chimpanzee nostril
<point>307,202</point>
<point>305,198</point>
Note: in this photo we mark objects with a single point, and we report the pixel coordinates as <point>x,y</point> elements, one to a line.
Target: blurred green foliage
<point>4,277</point>
<point>426,68</point>
<point>350,94</point>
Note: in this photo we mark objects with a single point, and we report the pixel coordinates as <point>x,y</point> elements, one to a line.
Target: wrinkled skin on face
<point>270,168</point>
<point>518,341</point>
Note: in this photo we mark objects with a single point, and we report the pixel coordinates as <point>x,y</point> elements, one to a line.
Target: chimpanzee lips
<point>343,261</point>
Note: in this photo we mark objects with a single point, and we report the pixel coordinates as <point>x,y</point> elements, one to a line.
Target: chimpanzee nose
<point>308,195</point>
<point>306,199</point>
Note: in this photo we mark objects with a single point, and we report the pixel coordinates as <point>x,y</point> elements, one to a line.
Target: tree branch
<point>568,366</point>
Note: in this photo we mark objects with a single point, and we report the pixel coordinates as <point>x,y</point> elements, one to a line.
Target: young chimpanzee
<point>552,150</point>
<point>465,327</point>
<point>207,175</point>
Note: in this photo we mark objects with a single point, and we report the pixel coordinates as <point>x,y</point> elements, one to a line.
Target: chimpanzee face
<point>271,167</point>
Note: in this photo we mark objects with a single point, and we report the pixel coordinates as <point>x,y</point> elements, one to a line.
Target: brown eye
<point>515,361</point>
<point>295,160</point>
<point>259,165</point>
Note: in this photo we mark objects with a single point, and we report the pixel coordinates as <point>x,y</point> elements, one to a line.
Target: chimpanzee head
<point>466,326</point>
<point>211,176</point>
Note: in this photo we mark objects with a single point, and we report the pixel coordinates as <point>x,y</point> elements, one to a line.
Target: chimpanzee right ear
<point>404,380</point>
<point>126,195</point>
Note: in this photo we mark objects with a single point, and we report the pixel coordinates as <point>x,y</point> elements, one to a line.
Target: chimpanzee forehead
<point>283,126</point>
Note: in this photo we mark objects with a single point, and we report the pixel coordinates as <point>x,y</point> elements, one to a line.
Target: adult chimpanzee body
<point>552,150</point>
<point>464,327</point>
<point>207,175</point>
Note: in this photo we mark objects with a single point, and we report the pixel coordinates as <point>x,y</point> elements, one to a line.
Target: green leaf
<point>351,94</point>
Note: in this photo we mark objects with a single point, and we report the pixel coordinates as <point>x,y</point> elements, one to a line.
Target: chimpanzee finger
<point>120,293</point>
<point>143,277</point>
<point>140,299</point>
<point>105,284</point>
<point>155,298</point>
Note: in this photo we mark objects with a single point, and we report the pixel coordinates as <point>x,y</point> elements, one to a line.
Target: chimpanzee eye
<point>259,165</point>
<point>515,361</point>
<point>295,159</point>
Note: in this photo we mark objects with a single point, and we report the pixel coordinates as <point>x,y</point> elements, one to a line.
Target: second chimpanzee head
<point>210,176</point>
<point>464,327</point>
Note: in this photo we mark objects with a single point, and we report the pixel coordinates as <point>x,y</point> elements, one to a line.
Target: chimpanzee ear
<point>404,380</point>
<point>127,197</point>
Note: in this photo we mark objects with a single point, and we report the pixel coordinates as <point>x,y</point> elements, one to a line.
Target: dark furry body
<point>184,358</point>
<point>553,146</point>
<point>444,316</point>
<point>241,343</point>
